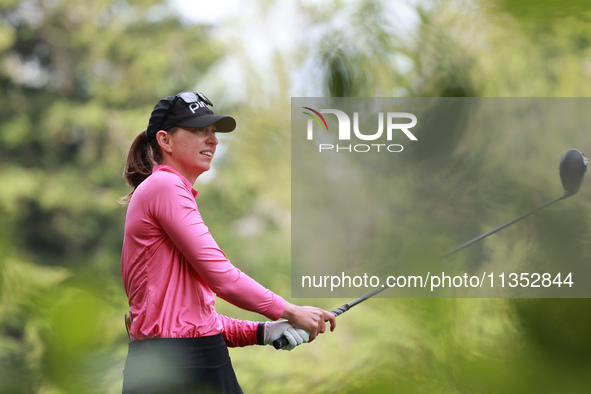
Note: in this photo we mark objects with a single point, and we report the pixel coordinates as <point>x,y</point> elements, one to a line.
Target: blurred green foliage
<point>78,80</point>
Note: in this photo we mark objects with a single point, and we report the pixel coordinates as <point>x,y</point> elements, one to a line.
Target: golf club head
<point>573,165</point>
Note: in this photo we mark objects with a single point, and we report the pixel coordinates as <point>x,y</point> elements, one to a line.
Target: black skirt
<point>179,365</point>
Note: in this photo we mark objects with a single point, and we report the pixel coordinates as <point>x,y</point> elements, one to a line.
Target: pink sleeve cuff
<point>276,309</point>
<point>239,333</point>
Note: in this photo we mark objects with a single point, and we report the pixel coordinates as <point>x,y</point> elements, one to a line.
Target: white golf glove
<point>276,329</point>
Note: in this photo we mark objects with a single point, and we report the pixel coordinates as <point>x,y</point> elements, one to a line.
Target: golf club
<point>573,165</point>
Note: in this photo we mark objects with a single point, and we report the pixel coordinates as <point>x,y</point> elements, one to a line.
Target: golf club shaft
<point>344,308</point>
<point>481,237</point>
<point>279,343</point>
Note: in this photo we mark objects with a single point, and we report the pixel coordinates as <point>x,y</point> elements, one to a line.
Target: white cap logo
<point>195,106</point>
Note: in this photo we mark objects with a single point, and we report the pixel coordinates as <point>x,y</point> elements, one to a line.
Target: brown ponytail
<point>141,158</point>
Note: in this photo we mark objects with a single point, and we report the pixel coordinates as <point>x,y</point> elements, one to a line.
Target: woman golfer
<point>172,267</point>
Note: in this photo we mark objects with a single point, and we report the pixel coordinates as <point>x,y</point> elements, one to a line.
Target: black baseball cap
<point>190,109</point>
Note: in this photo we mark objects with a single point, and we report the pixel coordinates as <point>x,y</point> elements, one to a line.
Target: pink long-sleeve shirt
<point>171,268</point>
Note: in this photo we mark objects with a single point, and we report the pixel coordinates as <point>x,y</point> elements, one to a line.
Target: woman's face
<point>191,150</point>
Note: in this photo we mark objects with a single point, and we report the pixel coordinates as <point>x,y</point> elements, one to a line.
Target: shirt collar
<point>167,168</point>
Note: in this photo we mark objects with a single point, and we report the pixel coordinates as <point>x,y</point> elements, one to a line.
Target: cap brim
<point>223,124</point>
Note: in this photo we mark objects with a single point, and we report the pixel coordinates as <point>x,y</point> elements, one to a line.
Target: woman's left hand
<point>276,329</point>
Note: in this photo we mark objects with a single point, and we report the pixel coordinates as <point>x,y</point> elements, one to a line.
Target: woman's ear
<point>164,141</point>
